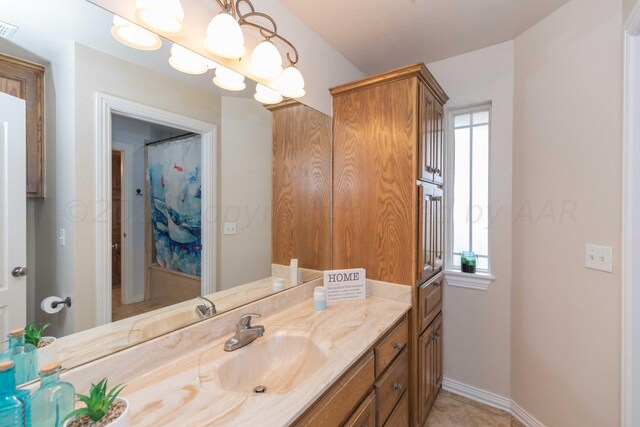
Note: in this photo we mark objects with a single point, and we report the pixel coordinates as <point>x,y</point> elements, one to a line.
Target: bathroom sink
<point>278,362</point>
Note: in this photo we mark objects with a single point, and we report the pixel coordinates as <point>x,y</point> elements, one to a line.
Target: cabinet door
<point>426,150</point>
<point>425,230</point>
<point>25,80</point>
<point>426,388</point>
<point>430,300</point>
<point>437,135</point>
<point>437,354</point>
<point>437,226</point>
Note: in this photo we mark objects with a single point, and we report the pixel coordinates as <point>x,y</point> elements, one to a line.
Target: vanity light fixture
<point>133,35</point>
<point>189,62</point>
<point>267,96</point>
<point>229,79</point>
<point>290,83</point>
<point>224,37</point>
<point>266,62</point>
<point>164,16</point>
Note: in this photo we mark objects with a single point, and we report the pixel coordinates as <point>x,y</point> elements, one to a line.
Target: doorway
<point>140,295</point>
<point>156,222</point>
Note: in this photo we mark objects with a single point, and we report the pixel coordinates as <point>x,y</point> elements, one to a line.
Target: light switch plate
<point>599,258</point>
<point>62,238</point>
<point>229,228</point>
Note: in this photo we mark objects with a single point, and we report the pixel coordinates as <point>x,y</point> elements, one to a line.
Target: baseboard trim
<point>491,399</point>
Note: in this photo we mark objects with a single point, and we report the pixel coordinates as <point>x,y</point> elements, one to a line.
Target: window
<point>468,146</point>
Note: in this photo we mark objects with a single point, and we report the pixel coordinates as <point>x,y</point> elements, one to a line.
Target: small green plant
<point>33,334</point>
<point>97,402</point>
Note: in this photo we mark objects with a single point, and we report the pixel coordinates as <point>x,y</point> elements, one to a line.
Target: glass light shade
<point>189,62</point>
<point>133,35</point>
<point>224,37</point>
<point>163,16</point>
<point>266,95</point>
<point>291,83</point>
<point>266,62</point>
<point>229,79</point>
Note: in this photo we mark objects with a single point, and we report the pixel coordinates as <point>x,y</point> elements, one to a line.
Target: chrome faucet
<point>245,333</point>
<point>206,309</point>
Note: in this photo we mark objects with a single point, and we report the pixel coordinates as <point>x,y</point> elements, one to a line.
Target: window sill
<point>477,281</point>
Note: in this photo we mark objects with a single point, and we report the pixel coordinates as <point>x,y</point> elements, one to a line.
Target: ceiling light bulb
<point>291,83</point>
<point>229,79</point>
<point>163,16</point>
<point>189,62</point>
<point>266,95</point>
<point>133,35</point>
<point>224,37</point>
<point>266,62</point>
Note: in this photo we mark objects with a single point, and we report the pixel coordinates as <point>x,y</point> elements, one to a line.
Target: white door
<point>13,205</point>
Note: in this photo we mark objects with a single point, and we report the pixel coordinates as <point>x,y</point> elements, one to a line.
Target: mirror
<point>148,188</point>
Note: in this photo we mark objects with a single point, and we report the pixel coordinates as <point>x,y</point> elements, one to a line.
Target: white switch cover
<point>229,228</point>
<point>62,239</point>
<point>599,258</point>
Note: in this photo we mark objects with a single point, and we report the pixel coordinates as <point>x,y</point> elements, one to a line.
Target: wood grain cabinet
<point>388,205</point>
<point>360,398</point>
<point>25,80</point>
<point>430,346</point>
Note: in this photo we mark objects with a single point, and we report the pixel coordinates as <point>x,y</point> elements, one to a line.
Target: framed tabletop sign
<point>345,285</point>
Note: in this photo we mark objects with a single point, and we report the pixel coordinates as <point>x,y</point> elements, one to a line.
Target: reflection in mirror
<point>148,188</point>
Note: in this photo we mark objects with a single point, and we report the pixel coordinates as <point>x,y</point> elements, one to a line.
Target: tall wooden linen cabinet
<point>388,169</point>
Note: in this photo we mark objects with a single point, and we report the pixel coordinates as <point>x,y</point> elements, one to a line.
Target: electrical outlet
<point>599,258</point>
<point>229,228</point>
<point>62,239</point>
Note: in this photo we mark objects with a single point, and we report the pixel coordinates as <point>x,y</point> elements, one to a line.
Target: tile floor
<point>451,410</point>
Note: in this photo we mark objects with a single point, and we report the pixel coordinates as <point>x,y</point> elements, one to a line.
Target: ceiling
<point>377,35</point>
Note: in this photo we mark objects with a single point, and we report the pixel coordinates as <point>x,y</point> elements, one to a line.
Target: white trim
<point>107,105</point>
<point>477,281</point>
<point>448,178</point>
<point>491,399</point>
<point>629,381</point>
<point>128,297</point>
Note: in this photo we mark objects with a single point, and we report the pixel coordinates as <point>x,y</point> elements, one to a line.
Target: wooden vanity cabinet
<point>373,392</point>
<point>25,80</point>
<point>388,205</point>
<point>430,362</point>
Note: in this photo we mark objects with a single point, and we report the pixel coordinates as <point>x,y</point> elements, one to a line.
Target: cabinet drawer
<point>400,415</point>
<point>391,387</point>
<point>337,405</point>
<point>391,346</point>
<point>365,415</point>
<point>430,300</point>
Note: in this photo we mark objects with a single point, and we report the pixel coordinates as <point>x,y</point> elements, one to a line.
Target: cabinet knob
<point>397,346</point>
<point>397,386</point>
<point>436,336</point>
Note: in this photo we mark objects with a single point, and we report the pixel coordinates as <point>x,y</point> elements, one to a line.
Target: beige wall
<point>567,153</point>
<point>98,72</point>
<point>478,347</point>
<point>245,198</point>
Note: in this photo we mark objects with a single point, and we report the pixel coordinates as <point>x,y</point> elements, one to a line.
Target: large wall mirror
<point>148,188</point>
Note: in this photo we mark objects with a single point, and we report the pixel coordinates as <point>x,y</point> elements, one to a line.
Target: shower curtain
<point>176,213</point>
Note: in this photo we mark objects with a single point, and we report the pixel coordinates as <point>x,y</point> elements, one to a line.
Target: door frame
<point>630,377</point>
<point>106,106</point>
<point>126,215</point>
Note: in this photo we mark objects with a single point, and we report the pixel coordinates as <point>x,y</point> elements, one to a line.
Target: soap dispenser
<point>22,355</point>
<point>54,400</point>
<point>14,404</point>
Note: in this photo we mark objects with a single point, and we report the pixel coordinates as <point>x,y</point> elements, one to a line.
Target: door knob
<point>19,271</point>
<point>116,248</point>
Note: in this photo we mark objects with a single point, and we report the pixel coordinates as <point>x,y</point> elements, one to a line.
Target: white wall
<point>628,6</point>
<point>245,198</point>
<point>98,72</point>
<point>567,153</point>
<point>478,346</point>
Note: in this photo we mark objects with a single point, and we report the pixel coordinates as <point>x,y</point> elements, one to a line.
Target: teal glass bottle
<point>53,401</point>
<point>14,404</point>
<point>23,357</point>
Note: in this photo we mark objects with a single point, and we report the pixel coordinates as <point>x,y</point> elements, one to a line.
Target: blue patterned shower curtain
<point>176,211</point>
